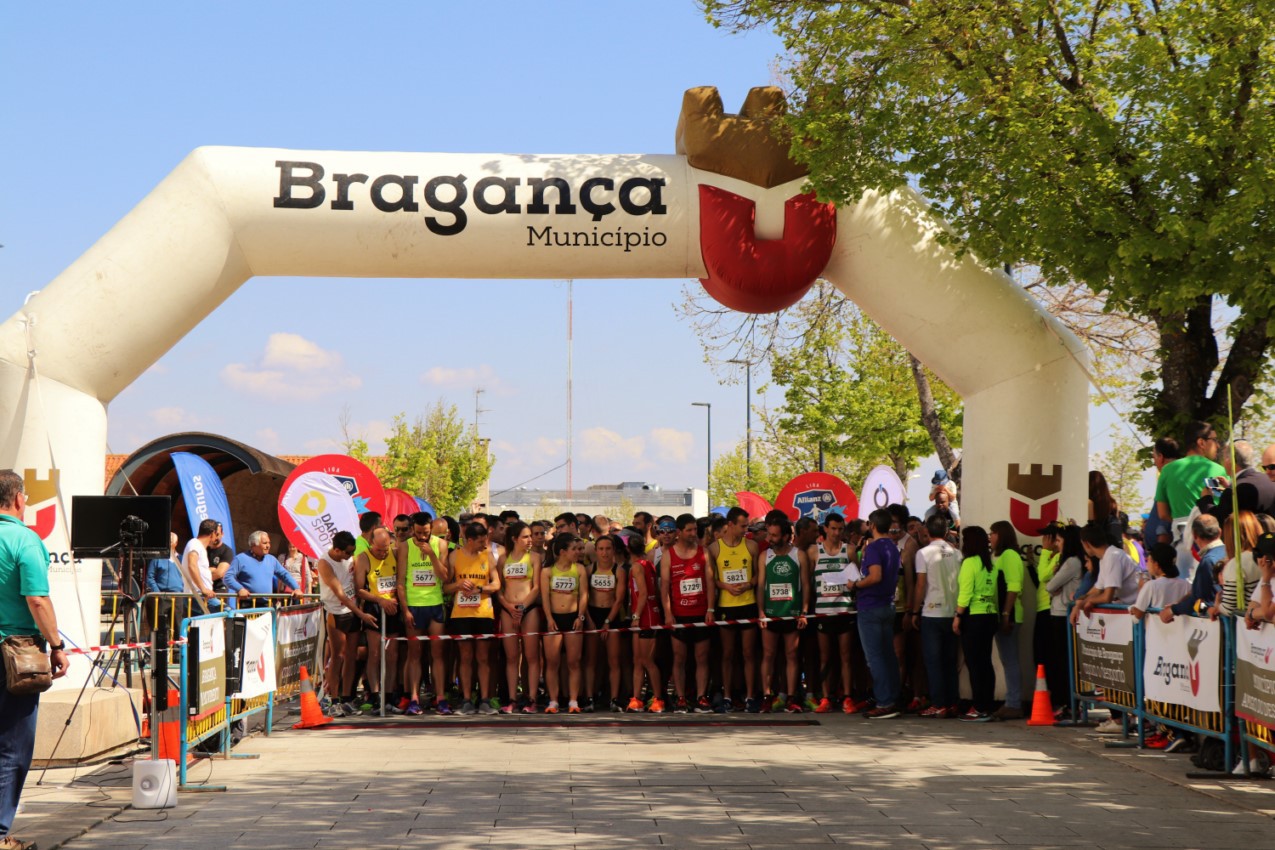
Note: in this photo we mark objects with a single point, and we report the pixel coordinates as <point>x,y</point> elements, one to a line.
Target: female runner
<point>520,616</point>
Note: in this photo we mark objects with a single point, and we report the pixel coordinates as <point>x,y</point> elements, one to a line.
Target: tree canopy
<point>1124,146</point>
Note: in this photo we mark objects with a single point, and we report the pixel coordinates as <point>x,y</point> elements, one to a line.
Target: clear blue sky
<point>101,102</point>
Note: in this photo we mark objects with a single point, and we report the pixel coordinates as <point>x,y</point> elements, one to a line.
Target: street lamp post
<point>708,408</point>
<point>748,419</point>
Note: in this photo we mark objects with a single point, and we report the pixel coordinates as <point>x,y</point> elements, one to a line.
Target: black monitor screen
<point>98,524</point>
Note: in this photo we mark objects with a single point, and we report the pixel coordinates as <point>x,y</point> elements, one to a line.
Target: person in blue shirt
<point>255,572</point>
<point>1204,585</point>
<point>164,575</point>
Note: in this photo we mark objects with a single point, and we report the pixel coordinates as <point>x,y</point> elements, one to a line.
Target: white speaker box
<point>155,784</point>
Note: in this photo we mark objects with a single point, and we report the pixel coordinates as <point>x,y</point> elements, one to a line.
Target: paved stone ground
<point>910,784</point>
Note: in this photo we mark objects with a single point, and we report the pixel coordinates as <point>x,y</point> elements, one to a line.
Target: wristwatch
<point>59,648</point>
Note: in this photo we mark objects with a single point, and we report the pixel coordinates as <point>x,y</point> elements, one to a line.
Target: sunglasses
<point>1270,467</point>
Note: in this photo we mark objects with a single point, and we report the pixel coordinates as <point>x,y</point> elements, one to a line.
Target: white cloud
<point>173,417</point>
<point>671,445</point>
<point>603,444</point>
<point>267,439</point>
<point>465,378</point>
<point>292,368</point>
<point>548,447</point>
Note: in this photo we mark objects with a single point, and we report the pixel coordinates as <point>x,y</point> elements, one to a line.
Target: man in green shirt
<point>25,609</point>
<point>1180,486</point>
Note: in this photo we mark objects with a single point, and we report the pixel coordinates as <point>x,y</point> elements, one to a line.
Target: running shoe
<point>636,706</point>
<point>395,708</point>
<point>824,706</point>
<point>849,706</point>
<point>529,708</point>
<point>443,708</point>
<point>349,709</point>
<point>336,709</point>
<point>587,708</point>
<point>1110,727</point>
<point>551,708</point>
<point>617,707</point>
<point>776,706</point>
<point>883,712</point>
<point>682,706</point>
<point>414,708</point>
<point>1157,742</point>
<point>365,708</point>
<point>1178,745</point>
<point>656,706</point>
<point>727,705</point>
<point>976,716</point>
<point>917,704</point>
<point>485,707</point>
<point>573,707</point>
<point>794,707</point>
<point>403,702</point>
<point>767,700</point>
<point>931,712</point>
<point>495,703</point>
<point>325,703</point>
<point>703,706</point>
<point>466,709</point>
<point>810,704</point>
<point>507,708</point>
<point>752,706</point>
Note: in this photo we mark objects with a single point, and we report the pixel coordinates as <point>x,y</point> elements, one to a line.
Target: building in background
<point>618,501</point>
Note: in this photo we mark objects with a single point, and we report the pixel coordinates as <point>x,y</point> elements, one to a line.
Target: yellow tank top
<point>382,574</point>
<point>520,569</point>
<point>734,566</point>
<point>565,581</point>
<point>476,568</point>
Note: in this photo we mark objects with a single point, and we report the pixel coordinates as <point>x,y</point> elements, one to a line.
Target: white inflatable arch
<point>225,215</point>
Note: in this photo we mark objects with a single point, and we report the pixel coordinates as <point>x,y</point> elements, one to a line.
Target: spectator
<point>1103,509</point>
<point>1231,599</point>
<point>1062,587</point>
<point>197,571</point>
<point>938,567</point>
<point>1181,485</point>
<point>25,609</point>
<point>1206,534</point>
<point>1004,542</point>
<point>876,591</point>
<point>254,573</point>
<point>1263,608</point>
<point>977,620</point>
<point>1165,451</point>
<point>164,575</point>
<point>1254,491</point>
<point>1117,576</point>
<point>299,567</point>
<point>1164,588</point>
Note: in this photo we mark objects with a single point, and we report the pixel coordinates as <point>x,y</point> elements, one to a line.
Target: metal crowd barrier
<point>181,606</point>
<point>1109,653</point>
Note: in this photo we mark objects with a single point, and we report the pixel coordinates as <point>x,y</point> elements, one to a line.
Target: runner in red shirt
<point>647,613</point>
<point>686,585</point>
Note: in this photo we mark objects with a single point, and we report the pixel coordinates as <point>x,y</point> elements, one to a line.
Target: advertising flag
<point>815,495</point>
<point>258,658</point>
<point>881,488</point>
<point>203,494</point>
<point>313,507</point>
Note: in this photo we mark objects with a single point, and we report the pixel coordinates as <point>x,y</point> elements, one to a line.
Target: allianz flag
<point>203,494</point>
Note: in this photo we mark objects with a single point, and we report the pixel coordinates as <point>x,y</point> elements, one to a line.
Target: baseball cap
<point>1266,545</point>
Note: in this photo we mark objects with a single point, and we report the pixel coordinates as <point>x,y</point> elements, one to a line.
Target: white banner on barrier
<point>258,659</point>
<point>1183,661</point>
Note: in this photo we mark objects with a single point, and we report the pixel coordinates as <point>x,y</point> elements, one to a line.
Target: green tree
<point>437,456</point>
<point>852,389</point>
<point>1123,146</point>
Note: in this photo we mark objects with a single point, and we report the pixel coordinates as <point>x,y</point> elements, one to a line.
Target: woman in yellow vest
<point>474,580</point>
<point>565,602</point>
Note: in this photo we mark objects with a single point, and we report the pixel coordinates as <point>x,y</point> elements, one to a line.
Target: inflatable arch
<point>727,208</point>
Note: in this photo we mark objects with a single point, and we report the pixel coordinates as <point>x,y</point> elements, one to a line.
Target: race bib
<point>735,576</point>
<point>827,588</point>
<point>386,584</point>
<point>602,582</point>
<point>691,586</point>
<point>423,578</point>
<point>780,592</point>
<point>515,570</point>
<point>469,600</point>
<point>563,584</point>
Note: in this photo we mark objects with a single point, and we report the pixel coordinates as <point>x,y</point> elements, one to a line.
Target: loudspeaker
<point>155,784</point>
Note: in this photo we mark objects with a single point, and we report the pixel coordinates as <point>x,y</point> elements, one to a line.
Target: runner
<point>520,615</point>
<point>607,583</point>
<point>562,595</point>
<point>422,572</point>
<point>647,613</point>
<point>376,580</point>
<point>473,581</point>
<point>336,592</point>
<point>782,586</point>
<point>686,585</point>
<point>368,523</point>
<point>833,571</point>
<point>732,560</point>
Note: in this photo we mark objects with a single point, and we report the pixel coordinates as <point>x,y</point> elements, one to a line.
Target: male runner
<point>336,592</point>
<point>832,571</point>
<point>422,570</point>
<point>732,559</point>
<point>402,527</point>
<point>367,524</point>
<point>782,586</point>
<point>376,583</point>
<point>474,579</point>
<point>686,585</point>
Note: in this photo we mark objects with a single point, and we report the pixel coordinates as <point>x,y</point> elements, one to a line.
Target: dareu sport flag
<point>319,506</point>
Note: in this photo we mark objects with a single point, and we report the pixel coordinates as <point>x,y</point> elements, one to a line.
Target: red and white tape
<point>89,650</point>
<point>700,625</point>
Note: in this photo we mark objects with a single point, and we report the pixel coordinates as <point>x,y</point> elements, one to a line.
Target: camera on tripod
<point>133,532</point>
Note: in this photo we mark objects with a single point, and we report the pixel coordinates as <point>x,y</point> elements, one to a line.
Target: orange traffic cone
<point>312,716</point>
<point>1042,705</point>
